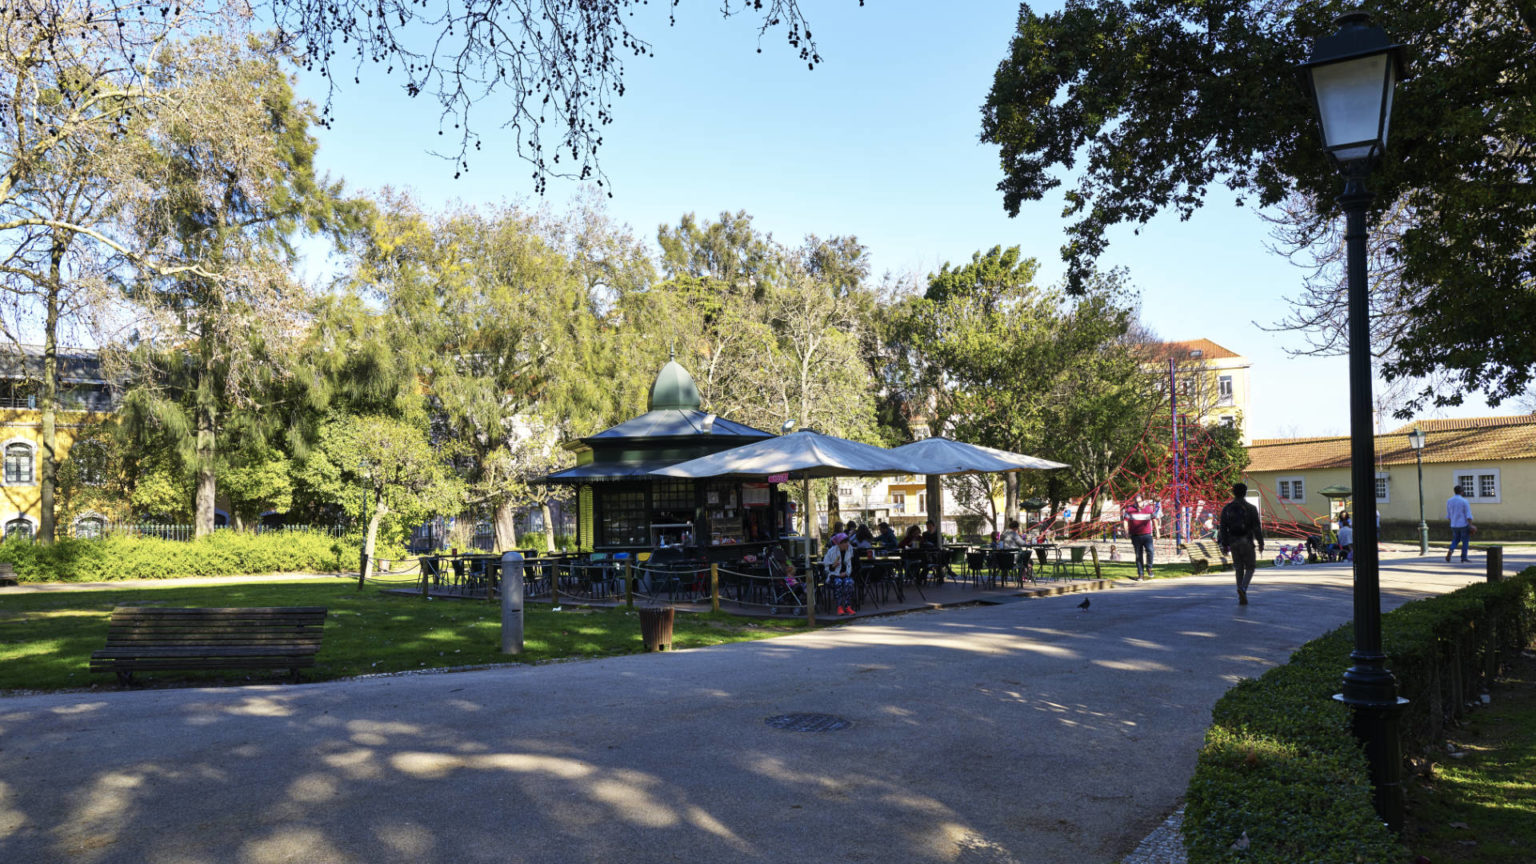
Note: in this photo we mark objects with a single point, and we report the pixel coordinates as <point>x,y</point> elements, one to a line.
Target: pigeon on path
<point>1085,604</point>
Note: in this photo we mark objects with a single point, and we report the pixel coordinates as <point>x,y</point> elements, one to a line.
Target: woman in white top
<point>838,563</point>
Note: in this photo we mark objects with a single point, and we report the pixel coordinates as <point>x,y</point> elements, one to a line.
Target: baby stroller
<point>785,590</point>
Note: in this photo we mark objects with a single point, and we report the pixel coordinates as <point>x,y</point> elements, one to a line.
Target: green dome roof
<point>674,388</point>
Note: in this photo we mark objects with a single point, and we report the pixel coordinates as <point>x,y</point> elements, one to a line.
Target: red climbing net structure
<point>1176,467</point>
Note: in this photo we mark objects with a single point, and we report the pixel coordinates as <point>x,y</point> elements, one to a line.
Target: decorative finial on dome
<point>674,388</point>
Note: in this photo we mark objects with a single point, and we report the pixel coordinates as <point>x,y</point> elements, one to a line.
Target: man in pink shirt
<point>1140,517</point>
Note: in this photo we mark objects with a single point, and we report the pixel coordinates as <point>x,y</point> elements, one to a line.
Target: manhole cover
<point>808,722</point>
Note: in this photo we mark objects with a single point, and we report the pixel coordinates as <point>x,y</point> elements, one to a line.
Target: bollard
<point>512,603</point>
<point>714,587</point>
<point>1495,563</point>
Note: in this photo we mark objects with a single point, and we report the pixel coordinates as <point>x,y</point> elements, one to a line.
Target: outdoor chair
<point>914,569</point>
<point>975,563</point>
<point>1026,567</point>
<point>954,561</point>
<point>1073,562</point>
<point>872,580</point>
<point>999,565</point>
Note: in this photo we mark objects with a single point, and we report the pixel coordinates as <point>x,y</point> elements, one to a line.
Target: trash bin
<point>656,627</point>
<point>1495,563</point>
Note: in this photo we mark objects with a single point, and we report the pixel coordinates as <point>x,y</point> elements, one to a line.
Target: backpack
<point>1234,520</point>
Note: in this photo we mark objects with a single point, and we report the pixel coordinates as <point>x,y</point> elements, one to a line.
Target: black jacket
<point>1241,513</point>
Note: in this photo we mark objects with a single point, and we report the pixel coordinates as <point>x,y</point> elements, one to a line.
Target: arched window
<point>18,464</point>
<point>89,526</point>
<point>17,529</point>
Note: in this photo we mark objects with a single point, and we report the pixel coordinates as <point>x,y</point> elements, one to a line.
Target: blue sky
<point>881,141</point>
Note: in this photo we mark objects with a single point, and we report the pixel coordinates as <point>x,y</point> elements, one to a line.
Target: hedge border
<point>1280,763</point>
<point>223,553</point>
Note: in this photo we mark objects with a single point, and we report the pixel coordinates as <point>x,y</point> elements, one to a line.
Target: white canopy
<point>956,457</point>
<point>802,455</point>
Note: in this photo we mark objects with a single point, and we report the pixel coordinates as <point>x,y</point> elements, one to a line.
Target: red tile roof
<point>1481,439</point>
<point>1180,350</point>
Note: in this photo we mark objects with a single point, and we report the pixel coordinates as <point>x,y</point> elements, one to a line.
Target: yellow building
<point>1213,384</point>
<point>1492,458</point>
<point>85,398</point>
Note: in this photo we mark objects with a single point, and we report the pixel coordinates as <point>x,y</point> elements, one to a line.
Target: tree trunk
<point>207,481</point>
<point>549,527</point>
<point>505,527</point>
<point>935,495</point>
<point>47,484</point>
<point>207,444</point>
<point>379,511</point>
<point>1011,496</point>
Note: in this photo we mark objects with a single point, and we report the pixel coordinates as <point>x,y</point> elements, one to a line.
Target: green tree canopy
<point>1162,101</point>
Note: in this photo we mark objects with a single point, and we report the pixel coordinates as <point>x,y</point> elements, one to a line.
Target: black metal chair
<point>1000,566</point>
<point>975,565</point>
<point>914,569</point>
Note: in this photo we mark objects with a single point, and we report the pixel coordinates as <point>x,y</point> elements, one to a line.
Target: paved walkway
<point>1026,732</point>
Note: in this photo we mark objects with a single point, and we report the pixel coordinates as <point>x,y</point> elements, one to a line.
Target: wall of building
<point>22,500</point>
<point>1514,509</point>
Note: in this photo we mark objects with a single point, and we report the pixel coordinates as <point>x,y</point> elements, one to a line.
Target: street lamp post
<point>1416,441</point>
<point>1351,76</point>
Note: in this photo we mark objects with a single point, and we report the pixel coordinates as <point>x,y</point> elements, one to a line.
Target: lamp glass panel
<point>1391,90</point>
<point>1349,100</point>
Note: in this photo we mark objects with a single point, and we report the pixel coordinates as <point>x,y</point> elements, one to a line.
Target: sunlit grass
<point>46,639</point>
<point>1481,807</point>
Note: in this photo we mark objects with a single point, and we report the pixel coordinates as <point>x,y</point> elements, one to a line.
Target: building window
<point>669,494</point>
<point>18,464</point>
<point>1228,421</point>
<point>624,518</point>
<point>1479,484</point>
<point>899,502</point>
<point>18,528</point>
<point>922,502</point>
<point>1224,390</point>
<point>1292,489</point>
<point>89,526</point>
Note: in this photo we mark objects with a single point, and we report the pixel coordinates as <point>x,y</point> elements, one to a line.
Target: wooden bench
<point>1201,554</point>
<point>7,573</point>
<point>147,638</point>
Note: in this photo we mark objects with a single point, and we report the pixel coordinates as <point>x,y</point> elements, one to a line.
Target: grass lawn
<point>46,639</point>
<point>1481,807</point>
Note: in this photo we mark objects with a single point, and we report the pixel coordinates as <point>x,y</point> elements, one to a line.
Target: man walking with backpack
<point>1238,532</point>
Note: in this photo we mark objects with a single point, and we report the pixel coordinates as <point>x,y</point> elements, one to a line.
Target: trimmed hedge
<point>1280,762</point>
<point>223,553</point>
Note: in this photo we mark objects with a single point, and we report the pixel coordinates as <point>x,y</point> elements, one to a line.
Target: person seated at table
<point>914,538</point>
<point>887,538</point>
<point>838,564</point>
<point>1011,538</point>
<point>930,535</point>
<point>837,527</point>
<point>863,539</point>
